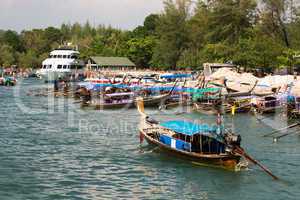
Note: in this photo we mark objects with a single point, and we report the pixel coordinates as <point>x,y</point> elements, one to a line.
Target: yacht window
<point>69,56</point>
<point>68,66</point>
<point>59,66</point>
<point>64,56</point>
<point>49,66</point>
<point>55,56</point>
<point>65,66</point>
<point>59,56</point>
<point>74,57</point>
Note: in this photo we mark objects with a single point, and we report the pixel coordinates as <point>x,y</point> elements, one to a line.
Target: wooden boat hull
<point>225,161</point>
<point>269,110</point>
<point>206,109</point>
<point>103,106</point>
<point>244,109</point>
<point>293,111</point>
<point>155,101</point>
<point>177,103</point>
<point>113,106</point>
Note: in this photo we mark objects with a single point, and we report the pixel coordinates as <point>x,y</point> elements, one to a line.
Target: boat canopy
<point>120,94</point>
<point>206,93</point>
<point>173,76</point>
<point>195,91</point>
<point>189,128</point>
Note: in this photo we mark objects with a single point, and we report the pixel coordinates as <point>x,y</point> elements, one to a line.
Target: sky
<point>28,14</point>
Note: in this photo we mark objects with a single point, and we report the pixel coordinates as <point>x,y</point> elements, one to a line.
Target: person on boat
<point>219,123</point>
<point>66,87</point>
<point>77,92</point>
<point>87,96</point>
<point>2,81</point>
<point>62,83</point>
<point>56,87</point>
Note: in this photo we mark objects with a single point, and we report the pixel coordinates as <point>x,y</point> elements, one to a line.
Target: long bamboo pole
<point>284,128</point>
<point>242,152</point>
<point>275,139</point>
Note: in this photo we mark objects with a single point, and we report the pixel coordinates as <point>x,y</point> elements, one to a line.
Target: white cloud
<point>27,14</point>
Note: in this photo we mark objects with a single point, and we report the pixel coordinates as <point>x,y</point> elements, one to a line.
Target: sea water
<point>50,148</point>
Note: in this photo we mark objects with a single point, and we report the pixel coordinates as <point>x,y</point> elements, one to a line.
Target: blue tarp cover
<point>179,144</point>
<point>101,86</point>
<point>120,94</point>
<point>172,76</point>
<point>189,128</point>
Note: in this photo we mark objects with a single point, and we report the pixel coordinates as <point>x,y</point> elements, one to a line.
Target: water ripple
<point>68,153</point>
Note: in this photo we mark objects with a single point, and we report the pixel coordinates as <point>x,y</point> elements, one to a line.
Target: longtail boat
<point>157,100</point>
<point>125,100</point>
<point>238,104</point>
<point>233,93</point>
<point>267,104</point>
<point>208,101</point>
<point>209,108</point>
<point>293,106</point>
<point>114,101</point>
<point>199,143</point>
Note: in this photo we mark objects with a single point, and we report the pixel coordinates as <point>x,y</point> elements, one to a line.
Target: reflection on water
<point>64,152</point>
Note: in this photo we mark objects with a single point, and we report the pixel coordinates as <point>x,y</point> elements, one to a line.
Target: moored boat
<point>8,81</point>
<point>114,101</point>
<point>152,101</point>
<point>62,63</point>
<point>293,106</point>
<point>238,105</point>
<point>267,104</point>
<point>199,143</point>
<point>208,101</point>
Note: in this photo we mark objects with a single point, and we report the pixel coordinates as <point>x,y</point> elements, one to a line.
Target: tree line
<point>249,33</point>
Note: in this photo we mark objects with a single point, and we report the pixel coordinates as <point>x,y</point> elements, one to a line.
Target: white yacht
<point>62,63</point>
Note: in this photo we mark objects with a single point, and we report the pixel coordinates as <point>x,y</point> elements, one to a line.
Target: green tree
<point>12,39</point>
<point>150,24</point>
<point>66,32</point>
<point>140,50</point>
<point>219,52</point>
<point>52,35</point>
<point>28,59</point>
<point>273,19</point>
<point>287,59</point>
<point>35,40</point>
<point>230,19</point>
<point>172,33</point>
<point>7,57</point>
<point>265,51</point>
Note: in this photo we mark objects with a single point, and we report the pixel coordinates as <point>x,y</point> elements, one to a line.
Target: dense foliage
<point>249,33</point>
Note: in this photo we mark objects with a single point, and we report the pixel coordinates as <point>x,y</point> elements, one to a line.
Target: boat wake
<point>242,166</point>
<point>148,149</point>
